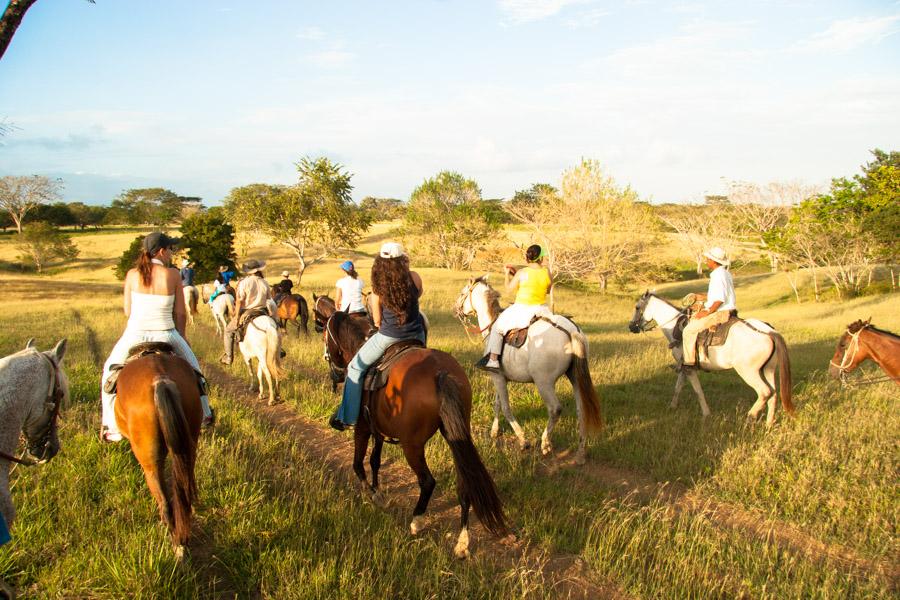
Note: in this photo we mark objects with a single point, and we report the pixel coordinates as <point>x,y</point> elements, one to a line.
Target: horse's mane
<point>493,299</point>
<point>660,298</point>
<point>860,324</point>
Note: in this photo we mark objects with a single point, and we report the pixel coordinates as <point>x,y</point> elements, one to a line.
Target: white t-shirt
<point>721,288</point>
<point>351,294</point>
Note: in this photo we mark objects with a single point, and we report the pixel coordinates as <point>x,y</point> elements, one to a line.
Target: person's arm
<point>126,301</point>
<point>417,280</point>
<point>512,285</point>
<point>337,297</point>
<point>376,310</point>
<point>550,292</point>
<point>714,297</point>
<point>178,309</point>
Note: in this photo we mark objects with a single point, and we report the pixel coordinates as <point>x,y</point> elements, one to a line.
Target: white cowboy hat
<point>285,274</point>
<point>718,255</point>
<point>184,262</point>
<point>391,250</point>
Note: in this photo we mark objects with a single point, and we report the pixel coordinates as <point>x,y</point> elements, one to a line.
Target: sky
<point>673,98</point>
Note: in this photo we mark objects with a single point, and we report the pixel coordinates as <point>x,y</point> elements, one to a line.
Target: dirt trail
<point>564,576</point>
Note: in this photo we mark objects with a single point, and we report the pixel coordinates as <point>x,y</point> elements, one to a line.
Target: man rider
<point>252,292</point>
<point>283,287</point>
<point>719,304</point>
<point>187,273</point>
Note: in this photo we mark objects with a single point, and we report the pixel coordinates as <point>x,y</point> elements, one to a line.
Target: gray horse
<point>32,387</point>
<point>550,352</point>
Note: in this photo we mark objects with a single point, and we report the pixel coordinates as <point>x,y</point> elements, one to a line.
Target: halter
<point>846,362</point>
<point>54,398</point>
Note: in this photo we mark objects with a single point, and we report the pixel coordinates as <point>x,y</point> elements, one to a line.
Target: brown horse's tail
<point>473,481</point>
<point>273,352</point>
<point>784,372</point>
<point>195,296</point>
<point>580,374</point>
<point>177,435</point>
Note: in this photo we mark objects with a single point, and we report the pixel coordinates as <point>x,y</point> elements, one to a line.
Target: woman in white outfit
<point>348,297</point>
<point>151,288</point>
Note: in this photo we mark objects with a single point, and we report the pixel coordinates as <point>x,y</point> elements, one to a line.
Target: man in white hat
<point>719,303</point>
<point>253,291</point>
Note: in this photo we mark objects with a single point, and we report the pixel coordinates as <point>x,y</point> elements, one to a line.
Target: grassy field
<point>276,521</point>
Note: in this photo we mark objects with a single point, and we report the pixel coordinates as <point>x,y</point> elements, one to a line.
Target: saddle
<point>516,338</point>
<point>246,318</point>
<point>717,334</point>
<point>140,351</point>
<point>377,375</point>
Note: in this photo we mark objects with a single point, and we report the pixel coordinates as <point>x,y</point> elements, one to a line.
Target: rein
<point>54,397</point>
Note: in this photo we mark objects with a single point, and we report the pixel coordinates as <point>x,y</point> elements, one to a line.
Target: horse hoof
<point>461,553</point>
<point>416,526</point>
<point>462,545</point>
<point>546,450</point>
<point>379,499</point>
<point>580,458</point>
<point>179,553</point>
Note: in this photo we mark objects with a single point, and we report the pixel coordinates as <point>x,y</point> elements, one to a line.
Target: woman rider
<point>348,293</point>
<point>153,316</point>
<point>395,311</point>
<point>531,286</point>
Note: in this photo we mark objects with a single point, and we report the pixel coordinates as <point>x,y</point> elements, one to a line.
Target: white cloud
<point>589,18</point>
<point>331,59</point>
<point>524,11</point>
<point>848,34</point>
<point>313,34</point>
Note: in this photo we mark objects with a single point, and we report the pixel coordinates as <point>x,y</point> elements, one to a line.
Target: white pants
<point>515,316</point>
<point>118,355</point>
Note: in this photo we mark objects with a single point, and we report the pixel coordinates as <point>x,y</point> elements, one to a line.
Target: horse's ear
<point>30,344</point>
<point>59,350</point>
<point>868,322</point>
<point>485,277</point>
<point>315,297</point>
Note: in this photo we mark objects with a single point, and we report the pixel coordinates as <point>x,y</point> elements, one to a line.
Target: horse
<point>191,297</point>
<point>426,391</point>
<point>293,308</point>
<point>33,387</point>
<point>262,341</point>
<point>753,348</point>
<point>158,409</point>
<point>323,308</point>
<point>551,351</point>
<point>862,341</point>
<point>222,308</point>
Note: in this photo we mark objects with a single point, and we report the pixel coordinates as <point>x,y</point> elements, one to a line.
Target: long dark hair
<point>391,282</point>
<point>352,273</point>
<point>145,267</point>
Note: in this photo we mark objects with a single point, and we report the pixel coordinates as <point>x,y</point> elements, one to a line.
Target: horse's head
<point>638,323</point>
<point>40,427</point>
<point>847,354</point>
<point>476,294</point>
<point>323,308</point>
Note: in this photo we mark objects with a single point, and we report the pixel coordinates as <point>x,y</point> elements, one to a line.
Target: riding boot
<point>228,357</point>
<point>335,422</point>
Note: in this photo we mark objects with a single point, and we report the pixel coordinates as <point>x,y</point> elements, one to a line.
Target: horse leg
<point>701,397</point>
<point>753,378</point>
<point>769,375</point>
<point>260,376</point>
<point>679,384</point>
<point>547,390</point>
<point>501,398</point>
<point>273,383</point>
<point>153,462</point>
<point>581,454</point>
<point>375,464</point>
<point>247,361</point>
<point>6,504</point>
<point>415,457</point>
<point>360,445</point>
<point>461,550</point>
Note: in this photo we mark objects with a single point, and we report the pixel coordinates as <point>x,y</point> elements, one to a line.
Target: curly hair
<point>391,282</point>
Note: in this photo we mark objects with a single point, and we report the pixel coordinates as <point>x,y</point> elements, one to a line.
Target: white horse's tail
<point>784,372</point>
<point>273,352</point>
<point>580,372</point>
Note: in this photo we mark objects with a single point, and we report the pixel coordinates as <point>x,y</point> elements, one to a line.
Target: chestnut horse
<point>863,341</point>
<point>158,410</point>
<point>427,391</point>
<point>293,308</point>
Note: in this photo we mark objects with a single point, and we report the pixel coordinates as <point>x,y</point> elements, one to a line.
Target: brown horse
<point>427,391</point>
<point>323,308</point>
<point>293,308</point>
<point>158,410</point>
<point>863,341</point>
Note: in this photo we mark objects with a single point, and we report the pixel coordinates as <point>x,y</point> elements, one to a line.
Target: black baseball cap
<point>157,240</point>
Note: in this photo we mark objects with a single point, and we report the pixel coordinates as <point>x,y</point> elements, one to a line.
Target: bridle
<point>318,313</point>
<point>650,325</point>
<point>468,326</point>
<point>37,447</point>
<point>848,359</point>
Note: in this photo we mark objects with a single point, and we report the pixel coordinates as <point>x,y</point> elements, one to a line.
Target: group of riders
<point>153,290</point>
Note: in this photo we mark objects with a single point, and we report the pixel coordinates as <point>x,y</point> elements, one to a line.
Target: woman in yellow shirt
<point>531,285</point>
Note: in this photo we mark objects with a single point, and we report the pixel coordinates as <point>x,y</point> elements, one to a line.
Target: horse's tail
<point>472,478</point>
<point>303,313</point>
<point>229,306</point>
<point>579,371</point>
<point>177,435</point>
<point>195,296</point>
<point>273,352</point>
<point>784,372</point>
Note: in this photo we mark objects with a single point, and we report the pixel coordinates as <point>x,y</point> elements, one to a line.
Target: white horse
<point>191,298</point>
<point>222,309</point>
<point>32,388</point>
<point>753,348</point>
<point>262,341</point>
<point>550,352</point>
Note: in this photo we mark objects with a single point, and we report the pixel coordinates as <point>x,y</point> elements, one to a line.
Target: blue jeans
<point>4,532</point>
<point>371,351</point>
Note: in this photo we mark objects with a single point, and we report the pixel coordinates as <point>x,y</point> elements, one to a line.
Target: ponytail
<point>352,273</point>
<point>145,267</point>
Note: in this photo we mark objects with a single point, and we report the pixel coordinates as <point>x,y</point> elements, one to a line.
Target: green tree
<point>157,206</point>
<point>209,238</point>
<point>57,214</point>
<point>316,215</point>
<point>128,258</point>
<point>19,195</point>
<point>86,215</point>
<point>448,221</point>
<point>383,209</point>
<point>42,243</point>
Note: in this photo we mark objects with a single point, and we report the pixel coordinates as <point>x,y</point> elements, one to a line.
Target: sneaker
<point>488,364</point>
<point>208,421</point>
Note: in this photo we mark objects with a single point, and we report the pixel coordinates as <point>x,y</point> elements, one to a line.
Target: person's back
<point>351,294</point>
<point>253,292</point>
<point>152,307</point>
<point>534,285</point>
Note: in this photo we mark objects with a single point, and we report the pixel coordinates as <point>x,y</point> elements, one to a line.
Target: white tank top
<point>351,294</point>
<point>151,312</point>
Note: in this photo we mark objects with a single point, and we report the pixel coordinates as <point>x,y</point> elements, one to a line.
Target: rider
<point>348,296</point>
<point>717,308</point>
<point>395,310</point>
<point>253,292</point>
<point>283,287</point>
<point>531,284</point>
<point>153,316</point>
<point>187,273</point>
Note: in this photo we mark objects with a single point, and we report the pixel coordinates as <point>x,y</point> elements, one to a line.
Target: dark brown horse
<point>293,308</point>
<point>158,410</point>
<point>864,341</point>
<point>323,308</point>
<point>427,391</point>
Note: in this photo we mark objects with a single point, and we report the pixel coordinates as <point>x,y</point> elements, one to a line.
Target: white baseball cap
<point>391,250</point>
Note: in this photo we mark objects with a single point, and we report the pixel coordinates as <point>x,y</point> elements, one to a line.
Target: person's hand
<point>510,269</point>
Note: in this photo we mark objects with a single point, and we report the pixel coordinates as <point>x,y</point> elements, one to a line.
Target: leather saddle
<point>140,351</point>
<point>377,375</point>
<point>516,338</point>
<point>717,334</point>
<point>246,317</point>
